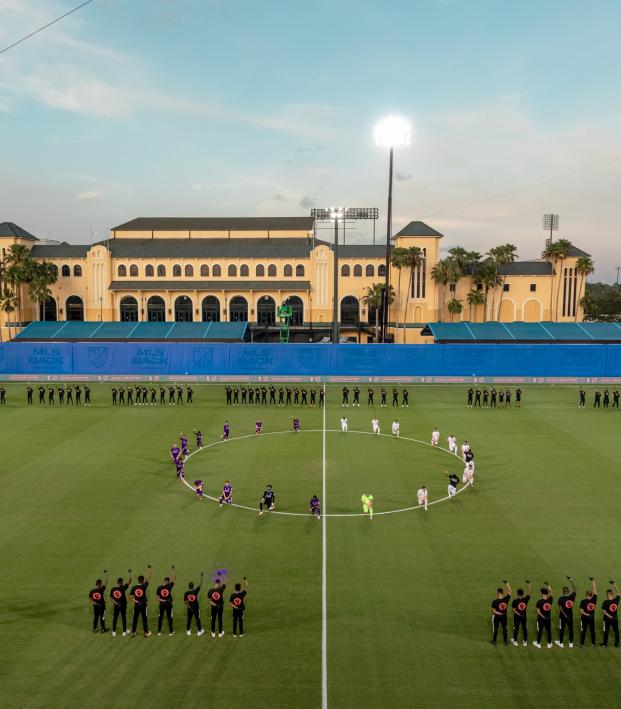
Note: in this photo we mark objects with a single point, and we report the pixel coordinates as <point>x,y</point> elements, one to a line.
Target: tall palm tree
<point>8,303</point>
<point>373,299</point>
<point>17,264</point>
<point>584,268</point>
<point>441,275</point>
<point>412,259</point>
<point>475,297</point>
<point>487,274</point>
<point>41,277</point>
<point>454,306</point>
<point>501,256</point>
<point>563,247</point>
<point>551,253</point>
<point>397,261</point>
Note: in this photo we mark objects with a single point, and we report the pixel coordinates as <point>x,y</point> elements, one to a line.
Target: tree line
<point>602,301</point>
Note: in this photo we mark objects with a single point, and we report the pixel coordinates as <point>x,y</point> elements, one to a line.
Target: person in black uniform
<point>257,396</point>
<point>162,395</point>
<point>588,606</point>
<point>313,396</point>
<point>518,398</point>
<point>69,395</point>
<point>501,397</point>
<point>520,606</point>
<point>508,398</point>
<point>405,398</point>
<point>370,395</point>
<point>153,392</point>
<point>244,395</point>
<point>190,598</point>
<point>171,395</point>
<point>78,394</point>
<point>288,399</point>
<point>477,397</point>
<point>179,394</point>
<point>263,396</point>
<point>582,399</point>
<point>98,601</point>
<point>615,399</point>
<point>296,396</point>
<point>610,608</point>
<point>50,396</point>
<point>237,604</point>
<point>29,391</point>
<point>138,595</point>
<point>597,400</point>
<point>138,396</point>
<point>281,396</point>
<point>268,500</point>
<point>345,396</point>
<point>144,395</point>
<point>119,601</point>
<point>544,619</point>
<point>492,402</point>
<point>251,395</point>
<point>164,596</point>
<point>500,605</point>
<point>130,396</point>
<point>566,614</point>
<point>41,391</point>
<point>485,396</point>
<point>395,396</point>
<point>2,395</point>
<point>272,395</point>
<point>356,401</point>
<point>189,395</point>
<point>606,399</point>
<point>61,395</point>
<point>304,397</point>
<point>322,396</point>
<point>470,395</point>
<point>235,396</point>
<point>87,395</point>
<point>216,598</point>
<point>383,394</point>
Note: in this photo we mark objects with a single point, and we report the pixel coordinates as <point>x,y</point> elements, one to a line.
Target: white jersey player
<point>395,428</point>
<point>435,437</point>
<point>468,476</point>
<point>452,444</point>
<point>344,424</point>
<point>465,446</point>
<point>375,424</point>
<point>422,497</point>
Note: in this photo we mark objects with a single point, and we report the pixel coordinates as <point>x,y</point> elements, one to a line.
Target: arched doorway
<point>350,312</point>
<point>75,308</point>
<point>183,309</point>
<point>532,311</point>
<point>47,310</point>
<point>297,308</point>
<point>238,309</point>
<point>156,309</point>
<point>266,310</point>
<point>211,309</point>
<point>129,309</point>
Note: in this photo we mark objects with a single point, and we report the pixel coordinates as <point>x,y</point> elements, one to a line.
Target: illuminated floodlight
<point>393,132</point>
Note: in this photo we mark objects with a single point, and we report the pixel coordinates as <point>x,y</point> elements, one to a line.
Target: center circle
<point>315,463</point>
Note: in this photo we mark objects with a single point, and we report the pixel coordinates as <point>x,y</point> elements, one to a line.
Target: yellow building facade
<point>195,269</point>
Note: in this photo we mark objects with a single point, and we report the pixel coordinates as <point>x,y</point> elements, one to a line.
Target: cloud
<point>89,195</point>
<point>308,202</point>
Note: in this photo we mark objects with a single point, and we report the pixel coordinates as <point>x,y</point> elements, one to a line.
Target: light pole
<point>392,132</point>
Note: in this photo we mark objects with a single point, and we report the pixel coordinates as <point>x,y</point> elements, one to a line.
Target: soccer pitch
<point>405,610</point>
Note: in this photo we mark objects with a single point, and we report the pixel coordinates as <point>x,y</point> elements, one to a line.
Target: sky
<point>133,108</point>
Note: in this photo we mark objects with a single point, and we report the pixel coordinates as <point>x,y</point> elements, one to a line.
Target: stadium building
<point>243,269</point>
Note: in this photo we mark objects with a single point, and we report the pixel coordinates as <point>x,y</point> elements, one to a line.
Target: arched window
<point>288,271</point>
<point>121,271</point>
<point>148,271</point>
<point>216,271</point>
<point>129,309</point>
<point>369,271</point>
<point>47,311</point>
<point>259,271</point>
<point>183,309</point>
<point>156,308</point>
<point>176,271</point>
<point>161,271</point>
<point>189,271</point>
<point>266,310</point>
<point>297,307</point>
<point>65,271</point>
<point>133,271</point>
<point>350,311</point>
<point>299,271</point>
<point>74,308</point>
<point>357,270</point>
<point>345,270</point>
<point>232,271</point>
<point>55,270</point>
<point>381,270</point>
<point>205,271</point>
<point>211,309</point>
<point>238,309</point>
<point>271,271</point>
<point>243,270</point>
<point>77,271</point>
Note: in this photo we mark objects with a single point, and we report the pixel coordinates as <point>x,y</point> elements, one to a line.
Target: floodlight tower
<point>550,223</point>
<point>392,132</point>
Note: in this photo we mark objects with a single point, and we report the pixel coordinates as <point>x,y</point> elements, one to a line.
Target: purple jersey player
<point>199,439</point>
<point>174,452</point>
<point>198,489</point>
<point>184,444</point>
<point>179,465</point>
<point>227,494</point>
<point>226,431</point>
<point>315,506</point>
<point>258,427</point>
<point>296,424</point>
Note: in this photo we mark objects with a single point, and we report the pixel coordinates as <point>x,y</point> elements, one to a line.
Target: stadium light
<point>391,132</point>
<point>550,223</point>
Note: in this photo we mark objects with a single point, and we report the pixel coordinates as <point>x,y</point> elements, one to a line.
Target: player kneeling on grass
<point>227,494</point>
<point>98,601</point>
<point>258,427</point>
<point>422,497</point>
<point>520,605</point>
<point>190,598</point>
<point>453,483</point>
<point>236,600</point>
<point>452,444</point>
<point>315,506</point>
<point>344,424</point>
<point>544,611</point>
<point>435,437</point>
<point>198,489</point>
<point>296,424</point>
<point>367,505</point>
<point>375,425</point>
<point>268,500</point>
<point>395,428</point>
<point>500,605</point>
<point>468,476</point>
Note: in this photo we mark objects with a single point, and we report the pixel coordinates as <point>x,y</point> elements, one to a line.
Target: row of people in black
<point>138,596</point>
<point>140,395</point>
<point>270,396</point>
<point>64,393</point>
<point>597,399</point>
<point>566,602</point>
<point>494,398</point>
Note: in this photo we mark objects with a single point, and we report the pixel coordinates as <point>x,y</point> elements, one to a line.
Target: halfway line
<point>324,595</point>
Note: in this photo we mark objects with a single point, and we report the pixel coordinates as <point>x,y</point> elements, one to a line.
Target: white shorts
<point>343,427</point>
<point>453,449</point>
<point>395,431</point>
<point>376,429</point>
<point>452,491</point>
<point>422,501</point>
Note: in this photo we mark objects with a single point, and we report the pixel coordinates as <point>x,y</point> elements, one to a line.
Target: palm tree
<point>373,299</point>
<point>413,259</point>
<point>398,261</point>
<point>441,275</point>
<point>502,255</point>
<point>563,248</point>
<point>17,265</point>
<point>454,307</point>
<point>475,297</point>
<point>487,274</point>
<point>41,277</point>
<point>584,267</point>
<point>551,253</point>
<point>8,303</point>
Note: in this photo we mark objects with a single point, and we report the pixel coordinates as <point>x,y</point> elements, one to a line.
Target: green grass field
<point>408,594</point>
